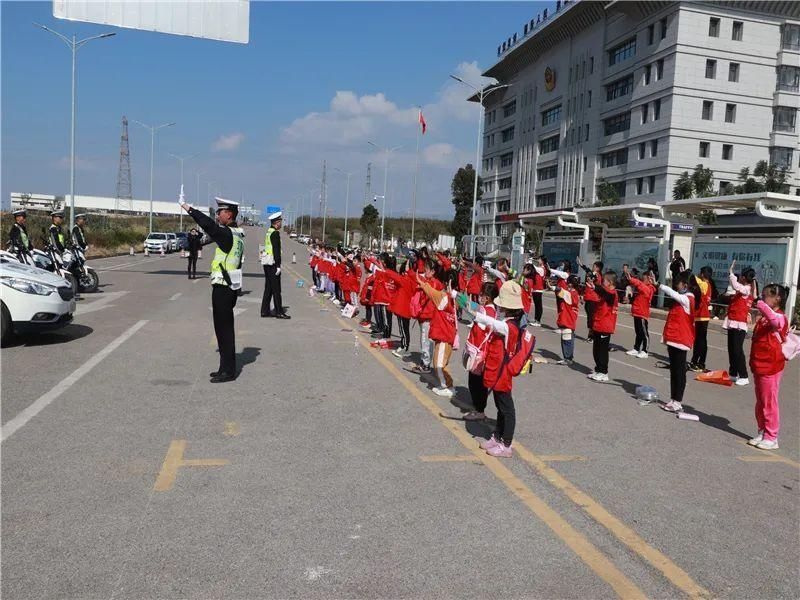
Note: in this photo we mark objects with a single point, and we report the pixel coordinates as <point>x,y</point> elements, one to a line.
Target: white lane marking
<point>621,362</point>
<point>315,573</point>
<point>127,264</point>
<point>175,296</point>
<point>100,303</point>
<point>34,409</point>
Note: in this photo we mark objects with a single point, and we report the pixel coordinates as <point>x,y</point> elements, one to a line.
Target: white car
<point>173,242</point>
<point>32,300</point>
<point>293,235</point>
<point>156,242</point>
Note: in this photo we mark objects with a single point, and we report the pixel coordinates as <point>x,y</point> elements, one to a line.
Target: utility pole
<point>323,199</point>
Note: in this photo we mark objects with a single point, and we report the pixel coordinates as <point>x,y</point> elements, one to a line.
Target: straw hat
<point>510,296</point>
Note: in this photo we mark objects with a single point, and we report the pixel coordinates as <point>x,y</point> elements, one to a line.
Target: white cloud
<point>228,143</point>
<point>439,155</point>
<point>81,164</point>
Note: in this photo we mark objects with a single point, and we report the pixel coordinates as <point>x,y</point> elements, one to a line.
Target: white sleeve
<point>682,299</point>
<point>744,290</point>
<point>496,273</point>
<point>559,273</point>
<point>539,270</point>
<point>498,326</point>
<point>565,296</point>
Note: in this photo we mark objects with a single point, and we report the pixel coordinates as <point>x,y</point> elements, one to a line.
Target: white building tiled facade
<point>643,91</point>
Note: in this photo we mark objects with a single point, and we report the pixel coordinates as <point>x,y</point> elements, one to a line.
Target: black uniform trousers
<point>191,269</point>
<point>223,299</point>
<point>272,289</point>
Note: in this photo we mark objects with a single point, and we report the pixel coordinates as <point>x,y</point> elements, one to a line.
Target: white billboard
<point>225,20</point>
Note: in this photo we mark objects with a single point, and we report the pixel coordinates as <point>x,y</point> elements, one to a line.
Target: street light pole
<point>346,203</point>
<point>482,93</point>
<point>387,150</point>
<point>153,129</point>
<point>73,45</point>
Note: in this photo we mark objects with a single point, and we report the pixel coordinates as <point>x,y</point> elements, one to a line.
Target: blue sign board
<point>268,210</point>
<point>634,253</point>
<point>556,251</point>
<point>768,260</point>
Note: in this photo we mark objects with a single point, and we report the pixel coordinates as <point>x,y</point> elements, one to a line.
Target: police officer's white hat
<point>20,212</point>
<point>275,216</point>
<point>222,203</point>
<point>81,216</point>
<point>57,213</point>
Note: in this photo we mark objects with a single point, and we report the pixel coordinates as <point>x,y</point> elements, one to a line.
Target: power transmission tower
<point>323,199</point>
<point>124,187</point>
<point>367,194</point>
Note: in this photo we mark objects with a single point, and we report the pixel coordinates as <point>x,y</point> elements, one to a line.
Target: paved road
<point>329,471</point>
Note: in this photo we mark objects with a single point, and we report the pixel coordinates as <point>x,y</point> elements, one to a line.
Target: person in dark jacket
<point>19,233</point>
<point>271,260</point>
<point>195,244</point>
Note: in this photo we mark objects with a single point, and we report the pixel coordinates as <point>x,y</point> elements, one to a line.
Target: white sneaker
<point>443,391</point>
<point>632,352</point>
<point>754,441</point>
<point>672,406</point>
<point>600,377</point>
<point>642,354</point>
<point>399,352</point>
<point>591,375</point>
<point>536,324</point>
<point>742,381</point>
<point>767,445</point>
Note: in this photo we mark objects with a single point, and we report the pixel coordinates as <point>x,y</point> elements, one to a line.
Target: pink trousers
<point>767,413</point>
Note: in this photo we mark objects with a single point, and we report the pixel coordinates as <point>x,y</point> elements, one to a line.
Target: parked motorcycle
<point>88,280</point>
<point>46,260</point>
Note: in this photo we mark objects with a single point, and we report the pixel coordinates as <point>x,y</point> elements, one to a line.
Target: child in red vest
<point>567,302</point>
<point>505,329</point>
<point>767,363</point>
<point>538,276</point>
<point>678,336</point>
<point>705,288</point>
<point>742,293</point>
<point>640,309</point>
<point>591,299</point>
<point>426,312</point>
<point>400,305</point>
<point>475,281</point>
<point>443,332</point>
<point>605,321</point>
<point>479,337</point>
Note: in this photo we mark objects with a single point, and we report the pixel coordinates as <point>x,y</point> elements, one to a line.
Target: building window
<point>663,28</point>
<point>548,144</point>
<point>713,27</point>
<point>620,188</point>
<point>642,150</point>
<point>790,37</point>
<point>711,69</point>
<point>488,186</point>
<point>727,151</point>
<point>624,51</point>
<point>724,187</point>
<point>507,134</point>
<point>510,108</point>
<point>708,110</point>
<point>651,34</point>
<point>506,160</point>
<point>617,123</point>
<point>736,32</point>
<point>504,183</point>
<point>781,157</point>
<point>619,88</point>
<point>639,185</point>
<point>546,173</point>
<point>552,115</point>
<point>612,159</point>
<point>586,133</point>
<point>656,109</point>
<point>783,118</point>
<point>651,184</point>
<point>653,148</point>
<point>645,113</point>
<point>733,72</point>
<point>730,113</point>
<point>705,148</point>
<point>788,79</point>
<point>589,104</point>
<point>548,199</point>
<point>659,69</point>
<point>504,206</point>
<point>585,163</point>
<point>647,71</point>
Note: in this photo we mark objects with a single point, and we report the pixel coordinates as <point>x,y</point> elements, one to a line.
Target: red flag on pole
<point>422,123</point>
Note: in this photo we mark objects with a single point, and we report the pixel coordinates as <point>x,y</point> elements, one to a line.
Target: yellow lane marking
<point>767,456</point>
<point>449,458</point>
<point>560,457</point>
<point>174,460</point>
<point>231,428</point>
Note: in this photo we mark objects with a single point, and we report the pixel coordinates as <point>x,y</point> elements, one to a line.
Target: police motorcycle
<point>88,280</point>
<point>46,260</point>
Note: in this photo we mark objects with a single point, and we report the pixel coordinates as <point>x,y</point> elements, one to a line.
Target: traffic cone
<point>146,251</point>
<point>162,251</point>
<point>132,252</point>
<point>718,377</point>
<point>294,258</point>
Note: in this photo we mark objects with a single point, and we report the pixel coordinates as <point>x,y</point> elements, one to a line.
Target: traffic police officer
<point>54,234</point>
<point>78,239</point>
<point>19,233</point>
<point>271,260</point>
<point>226,280</point>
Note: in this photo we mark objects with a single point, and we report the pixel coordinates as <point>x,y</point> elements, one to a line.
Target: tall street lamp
<point>180,159</point>
<point>388,151</point>
<point>346,203</point>
<point>73,45</point>
<point>153,129</point>
<point>482,93</point>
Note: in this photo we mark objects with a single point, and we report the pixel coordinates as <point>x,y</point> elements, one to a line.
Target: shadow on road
<point>62,336</point>
<point>716,422</point>
<point>247,356</point>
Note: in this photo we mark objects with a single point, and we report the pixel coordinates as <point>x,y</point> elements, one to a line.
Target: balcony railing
<point>784,127</point>
<point>788,87</point>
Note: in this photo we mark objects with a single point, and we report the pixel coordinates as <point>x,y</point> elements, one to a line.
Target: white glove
<point>278,271</point>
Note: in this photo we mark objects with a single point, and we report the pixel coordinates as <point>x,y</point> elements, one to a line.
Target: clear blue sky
<point>262,116</point>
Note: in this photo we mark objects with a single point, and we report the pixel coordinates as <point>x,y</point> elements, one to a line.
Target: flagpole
<point>416,178</point>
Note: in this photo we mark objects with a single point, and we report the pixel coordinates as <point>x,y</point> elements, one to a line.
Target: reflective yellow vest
<point>231,261</point>
<point>268,242</point>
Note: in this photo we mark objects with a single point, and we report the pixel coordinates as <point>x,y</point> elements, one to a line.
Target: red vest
<point>475,282</point>
<point>640,307</point>
<point>478,335</point>
<point>568,313</point>
<point>443,324</point>
<point>766,356</point>
<point>400,304</point>
<point>703,305</point>
<point>589,295</point>
<point>537,282</point>
<point>605,316</point>
<point>679,328</point>
<point>428,309</point>
<point>739,307</point>
<point>380,295</point>
<point>493,378</point>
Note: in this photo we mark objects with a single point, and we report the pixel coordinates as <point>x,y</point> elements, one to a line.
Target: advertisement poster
<point>634,253</point>
<point>768,260</point>
<point>556,251</point>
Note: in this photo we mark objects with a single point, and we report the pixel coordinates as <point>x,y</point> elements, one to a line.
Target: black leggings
<point>642,329</point>
<point>600,347</point>
<point>590,308</point>
<point>677,373</point>
<point>191,268</point>
<point>477,391</point>
<point>388,330</point>
<point>506,417</point>
<point>405,332</point>
<point>368,313</point>
<point>380,318</point>
<point>538,308</point>
<point>700,350</point>
<point>738,364</point>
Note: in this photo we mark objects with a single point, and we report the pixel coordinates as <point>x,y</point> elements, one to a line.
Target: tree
<point>683,188</point>
<point>462,188</point>
<point>428,231</point>
<point>703,181</point>
<point>766,177</point>
<point>606,193</point>
<point>369,221</point>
